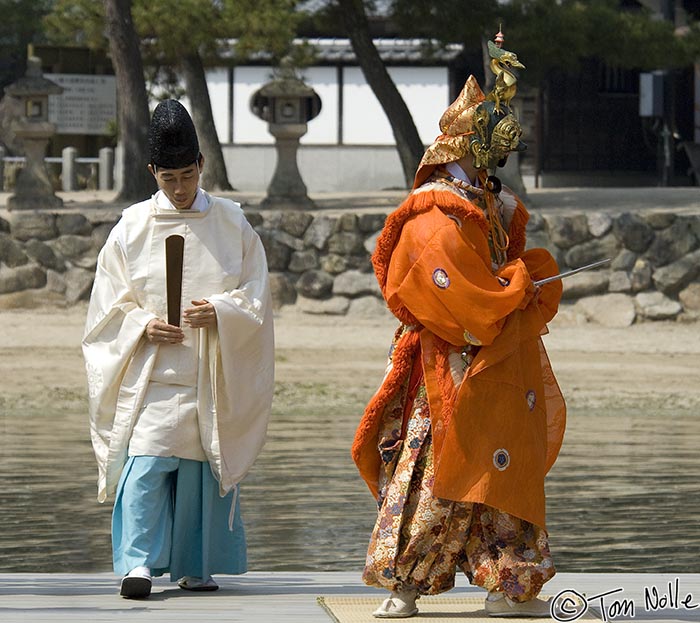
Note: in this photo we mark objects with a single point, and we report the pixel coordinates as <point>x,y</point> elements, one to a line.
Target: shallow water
<point>624,495</point>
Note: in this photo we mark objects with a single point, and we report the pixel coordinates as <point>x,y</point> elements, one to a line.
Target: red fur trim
<point>516,234</point>
<point>364,447</point>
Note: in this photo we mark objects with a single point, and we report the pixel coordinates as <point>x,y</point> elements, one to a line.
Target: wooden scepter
<point>174,253</point>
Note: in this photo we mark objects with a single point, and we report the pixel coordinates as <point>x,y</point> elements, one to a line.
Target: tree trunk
<point>133,115</point>
<point>214,175</point>
<point>408,142</point>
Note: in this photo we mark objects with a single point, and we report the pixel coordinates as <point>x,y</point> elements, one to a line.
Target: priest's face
<point>179,185</point>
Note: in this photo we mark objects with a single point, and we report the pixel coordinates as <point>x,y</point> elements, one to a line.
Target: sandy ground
<point>40,350</point>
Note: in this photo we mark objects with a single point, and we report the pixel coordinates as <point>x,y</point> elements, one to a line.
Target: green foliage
<point>262,25</point>
<point>171,29</point>
<point>77,22</point>
<point>447,20</point>
<point>21,21</point>
<point>548,34</point>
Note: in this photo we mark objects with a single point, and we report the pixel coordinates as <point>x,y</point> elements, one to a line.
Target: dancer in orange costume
<point>457,441</point>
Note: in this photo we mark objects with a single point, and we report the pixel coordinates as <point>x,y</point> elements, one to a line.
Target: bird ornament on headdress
<point>484,127</point>
<point>504,65</point>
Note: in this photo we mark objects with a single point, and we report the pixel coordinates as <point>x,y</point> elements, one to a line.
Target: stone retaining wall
<point>321,262</point>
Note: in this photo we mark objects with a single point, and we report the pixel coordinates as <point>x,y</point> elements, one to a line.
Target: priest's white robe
<point>228,370</point>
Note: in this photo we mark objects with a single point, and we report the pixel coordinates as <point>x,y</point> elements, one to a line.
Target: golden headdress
<point>456,125</point>
<point>483,126</point>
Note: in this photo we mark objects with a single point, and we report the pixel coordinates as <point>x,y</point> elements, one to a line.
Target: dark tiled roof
<point>339,51</point>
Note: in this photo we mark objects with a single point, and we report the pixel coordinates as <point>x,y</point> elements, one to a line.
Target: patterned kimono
<point>456,442</point>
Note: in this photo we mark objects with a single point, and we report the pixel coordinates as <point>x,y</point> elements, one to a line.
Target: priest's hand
<point>200,316</point>
<point>160,332</point>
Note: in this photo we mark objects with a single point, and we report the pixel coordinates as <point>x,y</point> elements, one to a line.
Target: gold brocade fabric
<point>419,541</point>
<point>456,125</point>
<point>457,119</point>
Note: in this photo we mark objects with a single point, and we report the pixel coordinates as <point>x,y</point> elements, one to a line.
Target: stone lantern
<point>33,189</point>
<point>287,104</point>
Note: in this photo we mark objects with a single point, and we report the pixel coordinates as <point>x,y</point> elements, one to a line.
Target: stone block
<point>640,276</point>
<point>282,289</point>
<point>672,243</point>
<point>288,240</point>
<point>278,254</point>
<point>599,223</point>
<point>319,231</point>
<point>12,253</point>
<point>370,223</point>
<point>315,284</point>
<point>27,225</point>
<point>4,226</point>
<point>29,276</point>
<point>583,284</point>
<point>690,297</point>
<point>363,263</point>
<point>609,310</point>
<point>633,232</point>
<point>347,222</point>
<point>55,282</point>
<point>87,261</point>
<point>657,306</point>
<point>353,283</point>
<point>346,243</point>
<point>303,260</point>
<point>674,277</point>
<point>75,224</point>
<point>624,260</point>
<point>70,246</point>
<point>660,220</point>
<point>295,223</point>
<point>78,285</point>
<point>100,233</point>
<point>566,230</point>
<point>334,264</point>
<point>44,255</point>
<point>535,222</point>
<point>592,251</point>
<point>619,282</point>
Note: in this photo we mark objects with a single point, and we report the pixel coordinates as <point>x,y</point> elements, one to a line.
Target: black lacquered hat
<point>172,138</point>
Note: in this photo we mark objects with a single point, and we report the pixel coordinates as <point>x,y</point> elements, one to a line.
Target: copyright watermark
<point>570,605</point>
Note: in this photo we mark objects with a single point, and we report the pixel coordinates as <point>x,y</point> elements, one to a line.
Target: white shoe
<point>190,583</point>
<point>136,584</point>
<point>400,605</point>
<point>499,605</point>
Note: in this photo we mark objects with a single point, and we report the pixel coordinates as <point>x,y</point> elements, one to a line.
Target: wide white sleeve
<point>114,327</point>
<point>242,354</point>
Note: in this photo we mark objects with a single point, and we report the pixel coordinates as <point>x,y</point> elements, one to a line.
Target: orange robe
<point>497,428</point>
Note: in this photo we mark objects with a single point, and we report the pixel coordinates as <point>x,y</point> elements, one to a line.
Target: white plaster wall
<point>323,130</point>
<point>424,89</point>
<point>218,83</point>
<point>247,128</point>
<point>324,168</point>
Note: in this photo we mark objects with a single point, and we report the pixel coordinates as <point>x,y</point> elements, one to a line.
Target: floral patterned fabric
<point>419,541</point>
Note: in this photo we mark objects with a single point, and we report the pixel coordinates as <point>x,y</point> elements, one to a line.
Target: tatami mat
<point>439,609</point>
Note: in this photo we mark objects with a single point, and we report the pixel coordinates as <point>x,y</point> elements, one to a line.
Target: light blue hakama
<point>168,516</point>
